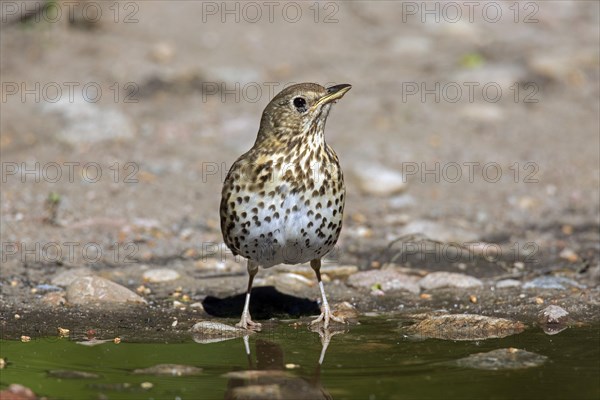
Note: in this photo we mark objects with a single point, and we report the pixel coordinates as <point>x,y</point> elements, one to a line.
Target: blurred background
<point>464,122</point>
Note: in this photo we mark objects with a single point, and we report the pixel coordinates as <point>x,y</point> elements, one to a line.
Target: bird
<point>283,200</point>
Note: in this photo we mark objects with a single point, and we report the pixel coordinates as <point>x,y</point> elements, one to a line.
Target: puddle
<point>373,360</point>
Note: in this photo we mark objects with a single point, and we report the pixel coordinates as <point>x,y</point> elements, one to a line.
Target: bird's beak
<point>333,93</point>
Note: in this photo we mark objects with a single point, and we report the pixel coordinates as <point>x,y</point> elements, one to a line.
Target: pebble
<point>17,392</point>
<point>63,332</point>
<point>87,122</point>
<point>333,271</point>
<point>169,370</point>
<point>553,315</point>
<point>385,279</point>
<point>47,288</point>
<point>345,311</point>
<point>54,299</point>
<point>503,75</point>
<point>555,67</point>
<point>552,282</point>
<point>411,45</point>
<point>436,280</point>
<point>501,359</point>
<point>462,327</point>
<point>507,283</point>
<point>210,332</point>
<point>379,180</point>
<point>398,202</point>
<point>93,289</point>
<point>65,278</point>
<point>290,280</point>
<point>160,275</point>
<point>162,53</point>
<point>569,255</point>
<point>483,112</point>
<point>438,232</point>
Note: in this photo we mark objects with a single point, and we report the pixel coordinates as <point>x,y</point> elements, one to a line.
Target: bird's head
<point>298,110</point>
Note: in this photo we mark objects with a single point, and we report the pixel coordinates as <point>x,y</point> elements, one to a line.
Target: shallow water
<point>373,360</point>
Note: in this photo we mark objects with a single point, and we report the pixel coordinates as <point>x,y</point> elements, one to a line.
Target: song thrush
<point>283,200</point>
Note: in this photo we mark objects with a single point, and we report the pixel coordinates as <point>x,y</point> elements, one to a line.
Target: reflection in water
<point>269,378</point>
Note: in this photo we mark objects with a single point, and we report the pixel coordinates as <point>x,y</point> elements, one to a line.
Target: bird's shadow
<point>266,302</point>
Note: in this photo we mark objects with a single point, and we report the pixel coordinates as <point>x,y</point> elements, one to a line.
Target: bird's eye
<point>300,104</point>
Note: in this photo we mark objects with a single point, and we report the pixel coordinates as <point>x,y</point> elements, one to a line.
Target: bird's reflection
<point>268,377</point>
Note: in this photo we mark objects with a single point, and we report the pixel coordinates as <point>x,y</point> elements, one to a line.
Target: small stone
<point>425,296</point>
<point>462,327</point>
<point>345,311</point>
<point>65,278</point>
<point>86,123</point>
<point>473,299</point>
<point>411,46</point>
<point>339,271</point>
<point>54,299</point>
<point>554,66</point>
<point>210,332</point>
<point>519,265</point>
<point>436,280</point>
<point>93,290</point>
<point>291,282</point>
<point>379,180</point>
<point>169,370</point>
<point>483,112</point>
<point>17,392</point>
<point>567,229</point>
<point>386,279</point>
<point>569,255</point>
<point>143,290</point>
<point>160,275</point>
<point>17,316</point>
<point>539,300</point>
<point>63,332</point>
<point>162,53</point>
<point>44,288</point>
<point>553,315</point>
<point>552,282</point>
<point>501,359</point>
<point>507,283</point>
<point>438,232</point>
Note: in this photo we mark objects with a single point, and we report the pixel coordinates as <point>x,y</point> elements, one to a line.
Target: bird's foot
<point>248,324</point>
<point>326,316</point>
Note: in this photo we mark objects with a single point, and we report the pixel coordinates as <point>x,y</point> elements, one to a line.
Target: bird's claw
<point>326,316</point>
<point>248,324</point>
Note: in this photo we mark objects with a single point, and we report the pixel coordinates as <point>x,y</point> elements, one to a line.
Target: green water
<point>369,361</point>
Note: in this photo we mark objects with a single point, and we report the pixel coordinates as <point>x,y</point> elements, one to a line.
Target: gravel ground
<point>469,145</point>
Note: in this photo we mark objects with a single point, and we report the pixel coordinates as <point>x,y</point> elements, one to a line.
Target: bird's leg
<point>246,321</point>
<point>326,314</point>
